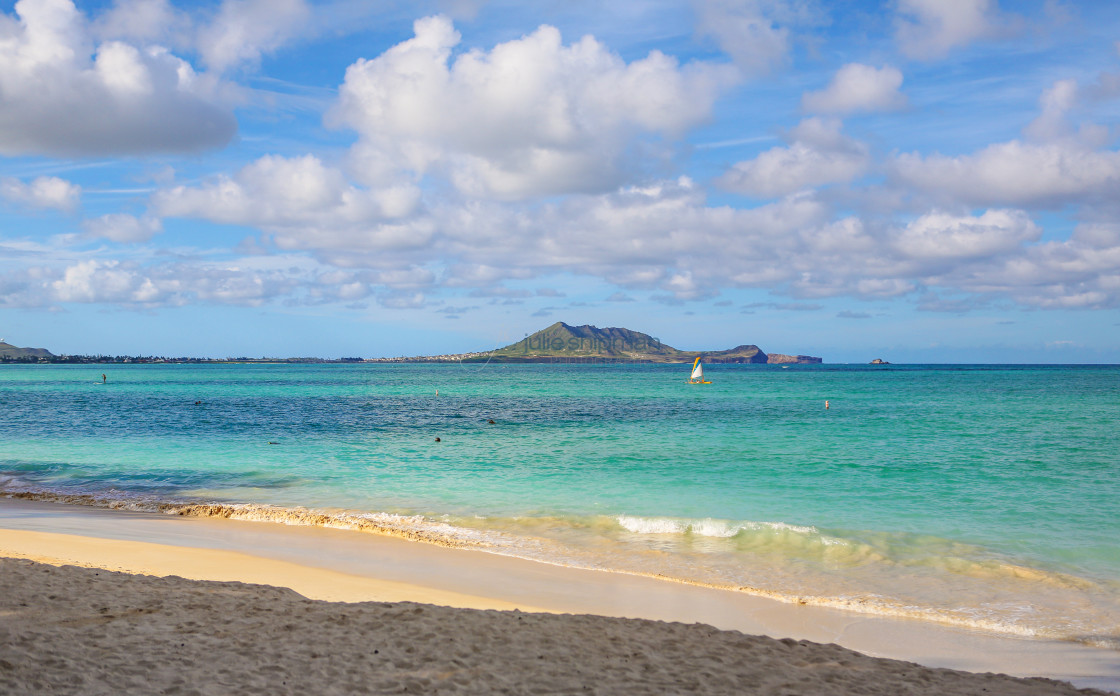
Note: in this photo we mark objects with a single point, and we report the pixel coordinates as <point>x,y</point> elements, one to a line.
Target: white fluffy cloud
<point>142,21</point>
<point>939,235</point>
<point>1056,166</point>
<point>529,117</point>
<point>747,30</point>
<point>304,204</point>
<point>1016,173</point>
<point>123,228</point>
<point>243,30</point>
<point>104,281</point>
<point>818,154</point>
<point>856,87</point>
<point>62,95</point>
<point>131,284</point>
<point>1053,275</point>
<point>277,192</point>
<point>233,34</point>
<point>927,29</point>
<point>661,237</point>
<point>43,192</point>
<point>1055,103</point>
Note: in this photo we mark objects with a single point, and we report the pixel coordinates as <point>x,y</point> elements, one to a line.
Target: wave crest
<point>708,527</point>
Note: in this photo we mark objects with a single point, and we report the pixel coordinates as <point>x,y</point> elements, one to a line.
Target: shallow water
<point>977,495</point>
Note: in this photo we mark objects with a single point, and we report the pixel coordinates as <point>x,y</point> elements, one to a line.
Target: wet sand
<point>88,631</point>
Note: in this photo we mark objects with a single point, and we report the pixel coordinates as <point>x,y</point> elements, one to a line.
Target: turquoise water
<point>986,496</point>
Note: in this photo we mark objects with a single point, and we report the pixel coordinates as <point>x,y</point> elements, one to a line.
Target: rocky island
<point>565,343</point>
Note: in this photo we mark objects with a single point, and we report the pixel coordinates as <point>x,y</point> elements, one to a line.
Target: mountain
<point>562,341</point>
<point>10,352</point>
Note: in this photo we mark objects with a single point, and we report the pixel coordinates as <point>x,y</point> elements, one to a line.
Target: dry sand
<point>78,630</point>
<point>138,557</point>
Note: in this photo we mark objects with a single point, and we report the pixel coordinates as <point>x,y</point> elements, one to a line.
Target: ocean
<point>982,496</point>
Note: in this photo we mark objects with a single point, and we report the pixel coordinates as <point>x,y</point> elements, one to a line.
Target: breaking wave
<point>706,527</point>
<point>788,563</point>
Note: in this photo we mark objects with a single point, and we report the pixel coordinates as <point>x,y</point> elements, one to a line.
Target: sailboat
<point>697,373</point>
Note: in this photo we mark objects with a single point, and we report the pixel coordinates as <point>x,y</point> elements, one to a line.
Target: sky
<point>911,180</point>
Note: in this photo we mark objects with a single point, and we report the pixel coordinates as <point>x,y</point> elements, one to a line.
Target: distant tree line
<point>142,359</point>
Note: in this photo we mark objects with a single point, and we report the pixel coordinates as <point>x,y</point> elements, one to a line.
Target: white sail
<point>697,371</point>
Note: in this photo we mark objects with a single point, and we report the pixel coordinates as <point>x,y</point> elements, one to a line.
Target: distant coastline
<point>558,343</point>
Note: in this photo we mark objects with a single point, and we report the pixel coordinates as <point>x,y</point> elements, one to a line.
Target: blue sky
<point>916,180</point>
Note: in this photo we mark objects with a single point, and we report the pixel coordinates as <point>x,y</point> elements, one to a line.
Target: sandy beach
<point>88,631</point>
<point>87,609</point>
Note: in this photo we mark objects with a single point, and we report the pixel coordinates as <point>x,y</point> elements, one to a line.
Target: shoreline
<point>107,632</point>
<point>418,528</point>
<point>340,565</point>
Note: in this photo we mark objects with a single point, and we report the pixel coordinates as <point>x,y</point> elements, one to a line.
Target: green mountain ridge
<point>586,342</point>
<point>559,342</point>
<point>10,352</point>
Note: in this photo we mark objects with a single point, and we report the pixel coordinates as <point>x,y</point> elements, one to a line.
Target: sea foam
<point>706,527</point>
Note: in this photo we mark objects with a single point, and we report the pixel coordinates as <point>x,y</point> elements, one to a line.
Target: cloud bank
<point>479,171</point>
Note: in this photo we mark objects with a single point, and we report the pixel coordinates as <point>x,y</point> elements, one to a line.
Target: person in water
<point>103,378</point>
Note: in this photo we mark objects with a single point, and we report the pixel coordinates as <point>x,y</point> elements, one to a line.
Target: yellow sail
<point>697,376</point>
